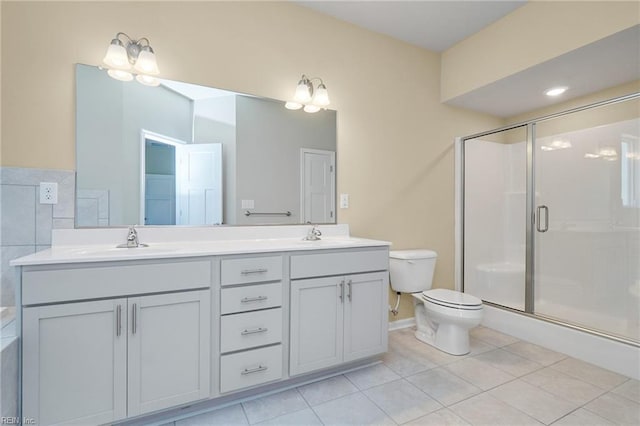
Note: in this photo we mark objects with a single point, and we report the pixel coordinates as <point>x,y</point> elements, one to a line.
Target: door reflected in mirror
<point>191,155</point>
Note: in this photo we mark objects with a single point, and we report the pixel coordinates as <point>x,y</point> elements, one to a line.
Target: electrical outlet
<point>48,193</point>
<point>248,204</point>
<point>344,201</point>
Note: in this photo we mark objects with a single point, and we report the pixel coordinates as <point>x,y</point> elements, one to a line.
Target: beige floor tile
<point>233,415</point>
<point>406,362</point>
<point>304,417</point>
<point>629,389</point>
<point>542,406</point>
<point>272,406</point>
<point>354,409</point>
<point>618,409</point>
<point>402,401</point>
<point>443,417</point>
<point>508,362</point>
<point>484,409</point>
<point>326,390</point>
<point>443,386</point>
<point>492,337</point>
<point>479,373</point>
<point>535,353</point>
<point>582,417</point>
<point>600,377</point>
<point>368,377</point>
<point>563,385</point>
<point>477,347</point>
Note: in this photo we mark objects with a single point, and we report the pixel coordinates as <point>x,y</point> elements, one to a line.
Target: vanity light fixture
<point>128,57</point>
<point>556,91</point>
<point>311,98</point>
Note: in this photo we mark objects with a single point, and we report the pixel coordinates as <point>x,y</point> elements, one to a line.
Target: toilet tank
<point>411,271</point>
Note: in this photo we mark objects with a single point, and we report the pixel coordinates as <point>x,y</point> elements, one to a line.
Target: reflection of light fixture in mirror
<point>607,154</point>
<point>556,144</point>
<point>556,91</point>
<point>128,56</point>
<point>591,155</point>
<point>312,99</point>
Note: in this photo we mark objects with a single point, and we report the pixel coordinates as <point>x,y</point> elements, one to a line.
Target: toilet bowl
<point>443,317</point>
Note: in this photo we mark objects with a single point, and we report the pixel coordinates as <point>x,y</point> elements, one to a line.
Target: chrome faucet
<point>132,239</point>
<point>314,234</point>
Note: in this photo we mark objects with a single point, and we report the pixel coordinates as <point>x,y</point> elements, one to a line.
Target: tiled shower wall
<point>27,224</point>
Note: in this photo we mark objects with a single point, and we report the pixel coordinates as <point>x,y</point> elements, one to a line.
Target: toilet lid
<point>452,299</point>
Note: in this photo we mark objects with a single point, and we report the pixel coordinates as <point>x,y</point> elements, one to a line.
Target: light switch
<point>344,201</point>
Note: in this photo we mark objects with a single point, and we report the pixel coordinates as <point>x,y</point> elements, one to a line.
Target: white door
<point>169,356</point>
<point>199,175</point>
<point>159,199</point>
<point>316,324</point>
<point>75,363</point>
<point>317,186</point>
<point>365,315</point>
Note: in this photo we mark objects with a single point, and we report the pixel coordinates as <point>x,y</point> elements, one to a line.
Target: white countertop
<point>74,248</point>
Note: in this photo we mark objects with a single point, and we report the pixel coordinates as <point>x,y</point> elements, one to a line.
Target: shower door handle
<point>546,218</point>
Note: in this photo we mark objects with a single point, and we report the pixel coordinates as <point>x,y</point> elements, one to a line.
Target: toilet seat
<point>452,299</point>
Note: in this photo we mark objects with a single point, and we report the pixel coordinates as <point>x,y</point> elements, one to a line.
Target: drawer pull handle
<point>254,331</point>
<point>253,299</point>
<point>253,271</point>
<point>254,370</point>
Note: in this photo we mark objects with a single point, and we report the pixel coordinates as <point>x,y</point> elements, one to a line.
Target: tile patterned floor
<point>503,381</point>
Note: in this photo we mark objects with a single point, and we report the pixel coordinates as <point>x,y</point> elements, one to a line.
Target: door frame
<point>156,137</point>
<point>332,155</point>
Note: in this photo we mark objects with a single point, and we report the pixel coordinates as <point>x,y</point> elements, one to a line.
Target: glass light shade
<point>146,62</point>
<point>321,97</point>
<point>292,105</point>
<point>147,80</point>
<point>120,75</point>
<point>303,94</point>
<point>556,91</point>
<point>591,155</point>
<point>561,144</point>
<point>608,152</point>
<point>116,56</point>
<point>311,108</point>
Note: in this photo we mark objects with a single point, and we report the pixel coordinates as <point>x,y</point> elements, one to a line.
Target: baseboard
<point>403,323</point>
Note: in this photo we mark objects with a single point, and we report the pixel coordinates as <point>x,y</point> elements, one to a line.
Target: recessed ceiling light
<point>556,91</point>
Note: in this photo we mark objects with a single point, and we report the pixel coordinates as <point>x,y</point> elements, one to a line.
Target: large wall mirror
<point>182,154</point>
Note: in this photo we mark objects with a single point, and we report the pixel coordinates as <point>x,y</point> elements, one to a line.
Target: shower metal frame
<point>530,126</point>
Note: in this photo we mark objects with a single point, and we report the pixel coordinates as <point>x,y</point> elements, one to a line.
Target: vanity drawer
<point>251,329</point>
<point>338,263</point>
<point>113,280</point>
<point>250,298</point>
<point>250,368</point>
<point>251,270</point>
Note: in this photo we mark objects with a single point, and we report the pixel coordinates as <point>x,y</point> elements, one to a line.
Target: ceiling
<point>438,25</point>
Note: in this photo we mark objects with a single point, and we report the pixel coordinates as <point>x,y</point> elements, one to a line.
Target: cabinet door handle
<point>118,320</point>
<point>349,287</point>
<point>341,291</point>
<point>253,271</point>
<point>254,331</point>
<point>134,318</point>
<point>253,299</point>
<point>254,370</point>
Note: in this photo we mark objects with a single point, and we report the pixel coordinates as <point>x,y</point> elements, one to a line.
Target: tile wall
<point>25,223</point>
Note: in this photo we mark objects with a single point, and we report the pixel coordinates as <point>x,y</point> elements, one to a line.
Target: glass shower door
<point>494,221</point>
<point>587,219</point>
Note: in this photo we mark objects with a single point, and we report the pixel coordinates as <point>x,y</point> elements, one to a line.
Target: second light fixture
<point>311,98</point>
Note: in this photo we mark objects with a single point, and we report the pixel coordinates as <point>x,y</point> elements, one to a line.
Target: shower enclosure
<point>550,218</point>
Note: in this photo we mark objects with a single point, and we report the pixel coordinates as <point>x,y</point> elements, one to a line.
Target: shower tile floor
<point>503,381</point>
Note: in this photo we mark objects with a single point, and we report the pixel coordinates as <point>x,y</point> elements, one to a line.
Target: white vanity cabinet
<point>338,318</point>
<point>251,324</point>
<point>99,361</point>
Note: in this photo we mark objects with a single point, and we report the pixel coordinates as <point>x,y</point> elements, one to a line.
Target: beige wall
<point>532,34</point>
<point>395,139</point>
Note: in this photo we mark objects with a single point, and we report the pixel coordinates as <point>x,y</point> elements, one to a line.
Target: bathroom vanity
<point>110,334</point>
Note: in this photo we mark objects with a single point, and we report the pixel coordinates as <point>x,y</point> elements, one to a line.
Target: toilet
<point>443,317</point>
